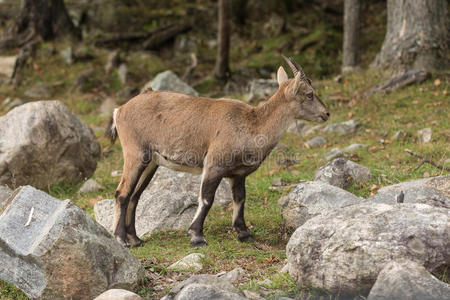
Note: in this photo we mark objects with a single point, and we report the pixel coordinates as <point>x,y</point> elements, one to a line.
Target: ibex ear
<point>281,76</point>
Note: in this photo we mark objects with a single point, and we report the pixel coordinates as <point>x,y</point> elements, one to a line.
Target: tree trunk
<point>47,19</point>
<point>417,35</point>
<point>350,55</point>
<point>222,69</point>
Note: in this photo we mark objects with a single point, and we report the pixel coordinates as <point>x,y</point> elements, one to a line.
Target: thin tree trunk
<point>417,35</point>
<point>222,69</point>
<point>350,55</point>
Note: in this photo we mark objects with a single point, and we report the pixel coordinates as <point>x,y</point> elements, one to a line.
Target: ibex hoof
<point>245,236</point>
<point>122,242</point>
<point>198,241</point>
<point>136,242</point>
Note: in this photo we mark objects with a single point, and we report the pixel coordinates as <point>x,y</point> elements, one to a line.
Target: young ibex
<point>217,138</point>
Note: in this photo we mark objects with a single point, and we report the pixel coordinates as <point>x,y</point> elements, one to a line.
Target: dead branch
<point>157,39</point>
<point>398,81</point>
<point>426,160</point>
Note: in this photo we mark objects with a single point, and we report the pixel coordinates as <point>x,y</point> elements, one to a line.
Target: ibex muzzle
<point>217,138</point>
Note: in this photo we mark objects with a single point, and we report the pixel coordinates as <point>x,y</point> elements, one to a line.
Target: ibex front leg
<point>238,190</point>
<point>210,181</point>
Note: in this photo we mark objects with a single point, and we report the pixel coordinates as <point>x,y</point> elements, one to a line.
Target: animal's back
<point>195,123</point>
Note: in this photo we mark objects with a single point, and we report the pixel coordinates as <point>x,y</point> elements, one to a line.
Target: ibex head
<point>300,93</point>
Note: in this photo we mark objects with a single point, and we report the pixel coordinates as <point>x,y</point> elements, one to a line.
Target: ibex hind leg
<point>238,190</point>
<point>132,171</point>
<point>130,221</point>
<point>209,184</point>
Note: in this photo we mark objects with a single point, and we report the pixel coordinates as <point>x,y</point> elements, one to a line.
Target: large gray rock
<point>261,89</point>
<point>316,142</point>
<point>169,81</point>
<point>157,210</point>
<point>343,128</point>
<point>441,183</point>
<point>310,199</point>
<point>204,287</point>
<point>51,249</point>
<point>407,280</point>
<point>434,191</point>
<point>5,192</point>
<point>342,172</point>
<point>344,250</point>
<point>43,143</point>
<point>180,182</point>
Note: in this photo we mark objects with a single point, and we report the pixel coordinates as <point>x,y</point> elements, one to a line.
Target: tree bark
<point>417,35</point>
<point>47,19</point>
<point>350,54</point>
<point>222,69</point>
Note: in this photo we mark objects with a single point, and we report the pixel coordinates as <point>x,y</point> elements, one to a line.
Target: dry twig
<point>426,160</point>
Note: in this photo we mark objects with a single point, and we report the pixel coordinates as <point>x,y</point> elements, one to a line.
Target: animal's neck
<point>274,117</point>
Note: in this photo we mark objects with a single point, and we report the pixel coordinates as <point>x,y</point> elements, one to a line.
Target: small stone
<point>285,269</point>
<point>67,55</point>
<point>123,72</point>
<point>334,153</point>
<point>261,89</point>
<point>252,295</point>
<point>354,147</point>
<point>424,135</point>
<point>234,275</point>
<point>398,135</point>
<point>265,282</point>
<point>91,186</point>
<point>169,81</point>
<point>277,181</point>
<point>343,128</point>
<point>116,173</point>
<point>341,172</point>
<point>7,64</point>
<point>190,262</point>
<point>118,294</point>
<point>315,142</point>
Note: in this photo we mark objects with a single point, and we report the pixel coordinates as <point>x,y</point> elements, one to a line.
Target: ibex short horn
<point>217,138</point>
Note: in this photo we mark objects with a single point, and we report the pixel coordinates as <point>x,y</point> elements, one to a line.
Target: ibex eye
<point>310,95</point>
